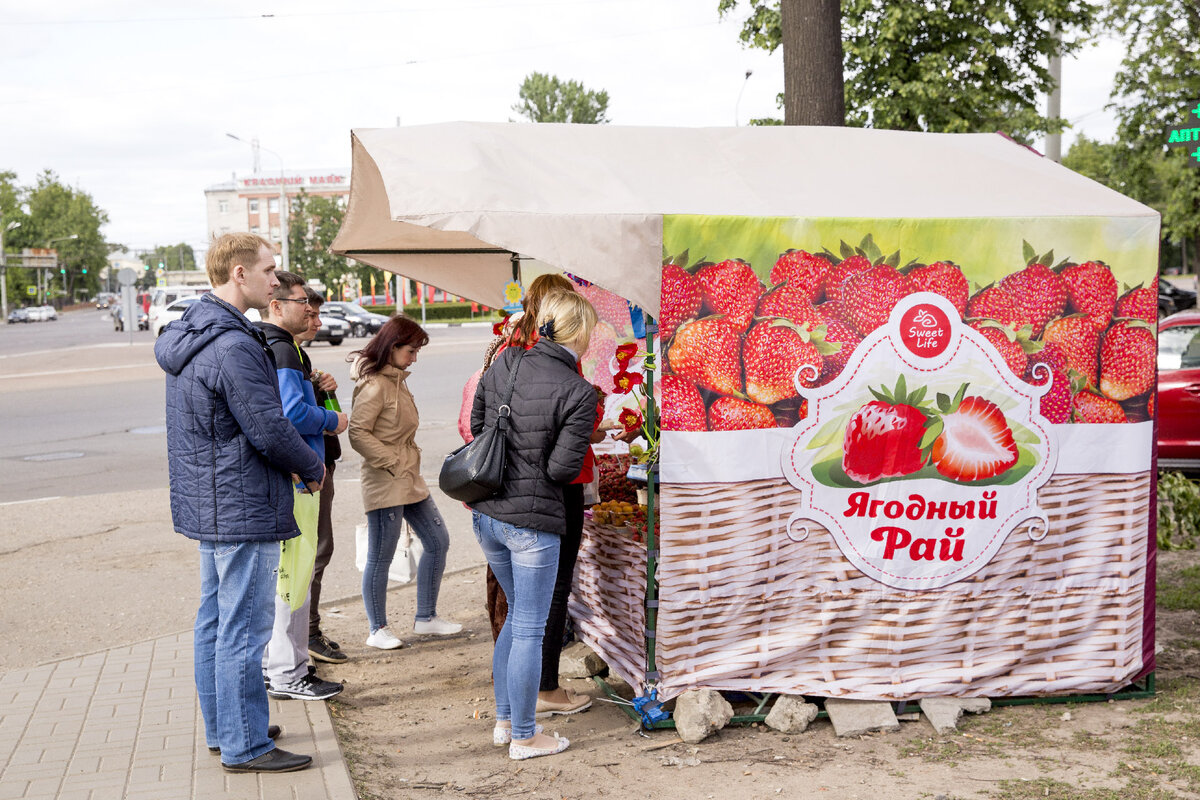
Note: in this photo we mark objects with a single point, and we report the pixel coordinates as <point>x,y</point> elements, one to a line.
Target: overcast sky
<point>130,100</point>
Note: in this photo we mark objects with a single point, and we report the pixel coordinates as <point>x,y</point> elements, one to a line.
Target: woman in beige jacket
<point>383,427</point>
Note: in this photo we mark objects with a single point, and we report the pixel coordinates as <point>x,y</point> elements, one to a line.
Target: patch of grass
<point>1180,591</point>
<point>942,751</point>
<point>1044,788</point>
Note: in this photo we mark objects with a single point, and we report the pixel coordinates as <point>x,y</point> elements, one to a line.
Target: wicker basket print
<point>744,607</point>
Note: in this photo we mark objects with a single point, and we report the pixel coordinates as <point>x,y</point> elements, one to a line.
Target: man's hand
<point>315,486</point>
<point>325,382</point>
<point>343,421</point>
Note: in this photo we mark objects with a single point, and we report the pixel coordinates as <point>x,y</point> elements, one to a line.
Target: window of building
<point>254,229</point>
<point>273,205</point>
<point>274,232</point>
<point>223,206</point>
<point>253,206</point>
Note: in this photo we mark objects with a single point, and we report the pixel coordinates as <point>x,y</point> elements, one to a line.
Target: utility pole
<point>1054,100</point>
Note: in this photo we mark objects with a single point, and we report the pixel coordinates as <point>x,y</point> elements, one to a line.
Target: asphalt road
<point>87,550</point>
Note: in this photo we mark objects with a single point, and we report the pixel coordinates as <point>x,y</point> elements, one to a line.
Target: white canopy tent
<point>449,204</point>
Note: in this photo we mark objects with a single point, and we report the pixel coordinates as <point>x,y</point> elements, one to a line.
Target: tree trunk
<point>813,91</point>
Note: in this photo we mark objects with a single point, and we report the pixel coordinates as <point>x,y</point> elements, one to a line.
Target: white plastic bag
<point>403,568</point>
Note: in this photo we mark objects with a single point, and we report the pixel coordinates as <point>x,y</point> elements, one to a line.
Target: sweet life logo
<point>924,454</point>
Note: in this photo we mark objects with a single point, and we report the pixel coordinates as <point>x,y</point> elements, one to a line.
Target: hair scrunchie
<point>546,331</point>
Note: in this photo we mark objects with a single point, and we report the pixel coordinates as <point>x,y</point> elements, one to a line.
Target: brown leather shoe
<point>573,705</point>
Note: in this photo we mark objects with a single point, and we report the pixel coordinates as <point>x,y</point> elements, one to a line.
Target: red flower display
<point>624,381</point>
<point>625,354</point>
<point>630,419</point>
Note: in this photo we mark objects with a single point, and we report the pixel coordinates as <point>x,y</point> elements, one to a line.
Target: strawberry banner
<point>907,457</point>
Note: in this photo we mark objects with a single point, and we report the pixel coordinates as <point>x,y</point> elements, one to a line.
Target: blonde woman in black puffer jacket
<point>553,413</point>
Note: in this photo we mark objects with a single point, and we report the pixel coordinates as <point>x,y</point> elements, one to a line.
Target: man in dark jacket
<point>230,452</point>
<point>286,662</point>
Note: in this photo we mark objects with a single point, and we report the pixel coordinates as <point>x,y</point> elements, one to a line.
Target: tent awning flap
<point>589,199</point>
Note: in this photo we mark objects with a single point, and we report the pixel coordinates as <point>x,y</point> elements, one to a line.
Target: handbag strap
<point>503,412</point>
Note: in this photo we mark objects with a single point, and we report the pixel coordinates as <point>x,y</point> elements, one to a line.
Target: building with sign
<point>250,203</point>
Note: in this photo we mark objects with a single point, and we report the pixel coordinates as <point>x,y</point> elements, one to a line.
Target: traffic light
<point>161,265</point>
<point>85,270</point>
<point>62,270</point>
<point>146,267</point>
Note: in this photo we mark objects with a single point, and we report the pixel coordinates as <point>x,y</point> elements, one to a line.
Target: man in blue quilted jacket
<point>232,456</point>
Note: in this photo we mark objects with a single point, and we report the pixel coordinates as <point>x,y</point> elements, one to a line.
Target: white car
<point>171,312</point>
<point>42,313</point>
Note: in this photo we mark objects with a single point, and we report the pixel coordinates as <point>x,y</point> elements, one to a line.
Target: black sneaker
<point>309,687</point>
<point>321,649</point>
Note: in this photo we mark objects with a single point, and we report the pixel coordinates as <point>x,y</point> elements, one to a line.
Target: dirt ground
<point>416,723</point>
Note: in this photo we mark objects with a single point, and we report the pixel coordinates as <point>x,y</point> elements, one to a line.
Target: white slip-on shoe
<point>384,640</point>
<point>436,626</point>
<point>520,752</point>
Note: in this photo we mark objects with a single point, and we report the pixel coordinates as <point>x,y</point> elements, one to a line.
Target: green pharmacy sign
<point>1187,136</point>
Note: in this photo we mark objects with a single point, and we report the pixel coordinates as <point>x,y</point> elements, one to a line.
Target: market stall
<point>907,437</point>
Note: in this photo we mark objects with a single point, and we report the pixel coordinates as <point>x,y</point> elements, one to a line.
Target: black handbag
<point>475,471</point>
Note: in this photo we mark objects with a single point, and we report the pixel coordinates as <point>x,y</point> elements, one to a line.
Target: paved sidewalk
<point>125,723</point>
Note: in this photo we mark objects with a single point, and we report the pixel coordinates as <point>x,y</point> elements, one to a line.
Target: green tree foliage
<point>55,211</point>
<point>546,98</point>
<point>951,67</point>
<point>1159,81</point>
<point>173,257</point>
<point>315,222</point>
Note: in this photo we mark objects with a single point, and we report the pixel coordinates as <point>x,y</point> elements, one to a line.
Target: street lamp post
<point>284,211</point>
<point>44,282</point>
<point>4,266</point>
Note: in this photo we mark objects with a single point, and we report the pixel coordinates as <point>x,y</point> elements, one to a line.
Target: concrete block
<point>857,717</point>
<point>579,661</point>
<point>790,714</point>
<point>700,713</point>
<point>943,713</point>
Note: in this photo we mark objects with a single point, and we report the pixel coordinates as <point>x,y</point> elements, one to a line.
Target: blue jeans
<point>525,562</point>
<point>233,625</point>
<point>383,532</point>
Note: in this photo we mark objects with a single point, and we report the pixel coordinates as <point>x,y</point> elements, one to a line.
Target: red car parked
<point>1179,391</point>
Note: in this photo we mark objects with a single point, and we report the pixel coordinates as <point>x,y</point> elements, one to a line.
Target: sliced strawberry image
<point>708,352</point>
<point>682,407</point>
<point>945,279</point>
<point>680,302</point>
<point>973,439</point>
<point>732,414</point>
<point>731,288</point>
<point>772,354</point>
<point>802,272</point>
<point>883,438</point>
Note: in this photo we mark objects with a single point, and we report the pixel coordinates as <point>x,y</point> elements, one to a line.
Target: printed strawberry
<point>731,288</point>
<point>1052,356</point>
<point>1055,404</point>
<point>831,286</point>
<point>869,297</point>
<point>883,438</point>
<point>610,307</point>
<point>1006,342</point>
<point>774,351</point>
<point>838,333</point>
<point>682,407</point>
<point>1140,303</point>
<point>1091,290</point>
<point>1092,408</point>
<point>1150,406</point>
<point>732,414</point>
<point>787,302</point>
<point>1040,292</point>
<point>600,352</point>
<point>995,303</point>
<point>1079,339</point>
<point>708,352</point>
<point>680,302</point>
<point>1128,355</point>
<point>944,278</point>
<point>973,439</point>
<point>803,272</point>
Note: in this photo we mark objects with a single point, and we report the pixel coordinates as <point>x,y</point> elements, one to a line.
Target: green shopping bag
<point>298,555</point>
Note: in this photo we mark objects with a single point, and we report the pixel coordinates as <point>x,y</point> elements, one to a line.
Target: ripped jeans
<point>383,533</point>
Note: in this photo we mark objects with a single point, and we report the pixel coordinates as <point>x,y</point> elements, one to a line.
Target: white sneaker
<point>436,626</point>
<point>384,640</point>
